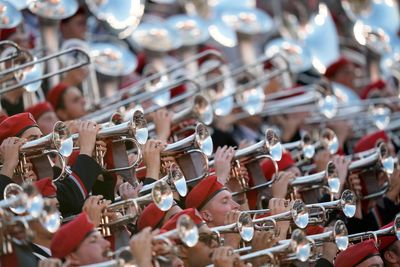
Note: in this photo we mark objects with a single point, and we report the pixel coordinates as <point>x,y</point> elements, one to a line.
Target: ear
<point>206,216</point>
<point>390,256</point>
<point>72,260</point>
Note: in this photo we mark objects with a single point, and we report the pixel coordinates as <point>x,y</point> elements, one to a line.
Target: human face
<point>215,210</point>
<point>46,122</point>
<point>74,105</point>
<point>375,261</point>
<point>93,249</point>
<point>200,255</point>
<point>32,133</point>
<point>346,76</point>
<point>75,27</point>
<point>392,255</point>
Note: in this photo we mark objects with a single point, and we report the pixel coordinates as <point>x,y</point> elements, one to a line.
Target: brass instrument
<point>31,72</point>
<point>161,194</point>
<point>10,16</point>
<point>244,226</point>
<point>337,235</point>
<point>58,143</point>
<point>392,230</point>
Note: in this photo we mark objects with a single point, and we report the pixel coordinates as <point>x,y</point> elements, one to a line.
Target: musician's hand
<point>9,150</point>
<point>280,186</point>
<point>151,157</point>
<point>126,190</point>
<point>277,206</point>
<point>73,126</point>
<point>342,166</point>
<point>223,157</point>
<point>87,137</point>
<point>142,246</point>
<point>162,120</point>
<point>262,240</point>
<point>394,191</point>
<point>232,239</point>
<point>224,257</point>
<point>50,262</point>
<point>94,207</point>
<point>321,159</point>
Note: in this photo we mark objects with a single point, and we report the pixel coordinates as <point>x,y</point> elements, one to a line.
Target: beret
<point>46,187</point>
<point>39,109</point>
<point>171,223</point>
<point>6,33</point>
<point>336,66</point>
<point>268,167</point>
<point>370,141</point>
<point>375,86</point>
<point>356,254</point>
<point>151,216</point>
<point>55,93</point>
<point>203,192</point>
<point>16,125</point>
<point>68,238</point>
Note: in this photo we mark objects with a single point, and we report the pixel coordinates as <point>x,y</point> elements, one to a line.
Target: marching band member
<point>44,115</point>
<point>364,254</point>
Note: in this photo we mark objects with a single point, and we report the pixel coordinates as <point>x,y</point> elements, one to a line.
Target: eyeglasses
<point>210,239</point>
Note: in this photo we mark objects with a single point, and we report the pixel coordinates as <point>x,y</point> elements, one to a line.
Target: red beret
<point>314,229</point>
<point>375,86</point>
<point>268,167</point>
<point>337,65</point>
<point>6,33</point>
<point>370,141</point>
<point>386,240</point>
<point>16,125</point>
<point>39,109</point>
<point>54,95</point>
<point>70,235</point>
<point>203,192</point>
<point>3,117</point>
<point>46,187</point>
<point>151,216</point>
<point>171,223</point>
<point>356,254</point>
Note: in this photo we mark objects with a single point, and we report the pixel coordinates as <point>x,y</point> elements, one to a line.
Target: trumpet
<point>244,226</point>
<point>161,195</point>
<point>270,148</point>
<point>58,143</point>
<point>133,131</point>
<point>200,109</point>
<point>13,55</point>
<point>346,203</point>
<point>175,179</point>
<point>338,235</point>
<point>392,230</point>
<point>30,72</point>
<point>186,231</point>
<point>298,244</point>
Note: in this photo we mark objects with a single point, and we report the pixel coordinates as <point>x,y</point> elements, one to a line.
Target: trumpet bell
<point>328,105</point>
<point>30,73</point>
<point>62,139</point>
<point>273,144</point>
<point>251,100</point>
<point>340,235</point>
<point>187,231</point>
<point>300,214</point>
<point>203,109</point>
<point>112,59</point>
<point>332,177</point>
<point>157,37</point>
<point>10,16</point>
<point>330,141</point>
<point>162,195</point>
<point>245,226</point>
<point>178,179</point>
<point>50,218</point>
<point>192,29</point>
<point>140,125</point>
<point>203,139</point>
<point>386,160</point>
<point>307,145</point>
<point>380,115</point>
<point>55,10</point>
<point>348,203</point>
<point>119,15</point>
<point>300,245</point>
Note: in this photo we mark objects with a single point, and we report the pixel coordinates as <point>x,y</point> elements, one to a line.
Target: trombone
<point>31,74</point>
<point>13,55</point>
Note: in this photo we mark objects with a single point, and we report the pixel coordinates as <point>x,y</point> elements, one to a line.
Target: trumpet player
<point>364,254</point>
<point>389,248</point>
<point>72,191</point>
<point>44,115</point>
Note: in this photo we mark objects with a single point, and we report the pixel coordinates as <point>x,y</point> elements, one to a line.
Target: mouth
<point>108,254</point>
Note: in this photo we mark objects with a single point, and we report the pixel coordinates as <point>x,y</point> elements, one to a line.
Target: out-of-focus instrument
<point>244,226</point>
